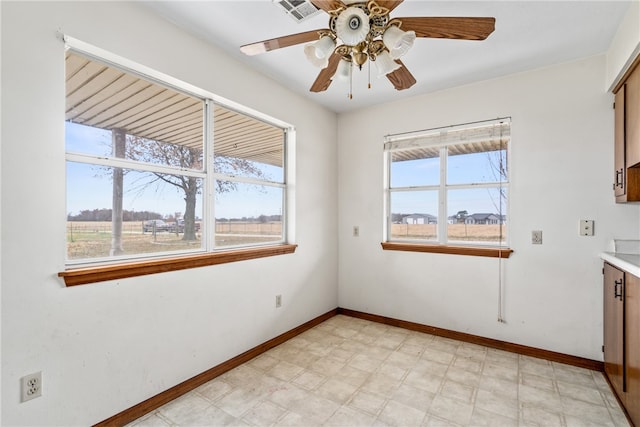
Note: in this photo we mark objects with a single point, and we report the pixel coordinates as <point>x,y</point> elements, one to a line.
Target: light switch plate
<point>586,227</point>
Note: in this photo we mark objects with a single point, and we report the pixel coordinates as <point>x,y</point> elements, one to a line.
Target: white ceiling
<point>528,35</point>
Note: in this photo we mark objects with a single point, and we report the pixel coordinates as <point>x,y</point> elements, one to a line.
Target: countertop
<point>624,254</point>
<point>627,262</point>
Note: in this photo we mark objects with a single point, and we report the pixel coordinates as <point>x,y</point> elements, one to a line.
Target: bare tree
<point>181,156</point>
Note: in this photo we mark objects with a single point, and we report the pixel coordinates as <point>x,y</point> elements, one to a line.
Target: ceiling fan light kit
<point>318,53</point>
<point>397,41</point>
<point>385,64</point>
<point>361,31</point>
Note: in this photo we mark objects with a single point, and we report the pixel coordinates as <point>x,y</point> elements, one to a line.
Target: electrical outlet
<point>31,386</point>
<point>278,301</point>
<point>536,237</point>
<point>356,231</point>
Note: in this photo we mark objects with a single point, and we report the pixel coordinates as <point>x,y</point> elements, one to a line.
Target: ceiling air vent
<point>298,10</point>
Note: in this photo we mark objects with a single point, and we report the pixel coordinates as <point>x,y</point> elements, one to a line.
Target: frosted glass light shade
<point>318,52</point>
<point>343,71</point>
<point>352,26</point>
<point>385,64</point>
<point>397,41</point>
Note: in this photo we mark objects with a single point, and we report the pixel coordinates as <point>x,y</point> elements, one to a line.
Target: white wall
<point>561,172</point>
<point>625,46</point>
<point>105,347</point>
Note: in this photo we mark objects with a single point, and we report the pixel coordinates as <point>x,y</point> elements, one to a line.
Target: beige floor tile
<point>150,420</point>
<point>336,390</point>
<point>461,392</point>
<point>352,372</point>
<point>398,414</point>
<point>497,404</point>
<point>544,399</point>
<point>433,421</point>
<point>214,389</point>
<point>463,376</point>
<point>368,402</point>
<point>381,384</point>
<point>392,370</point>
<point>587,411</point>
<point>480,417</point>
<point>263,414</point>
<point>424,381</point>
<point>509,373</point>
<point>578,392</point>
<point>539,367</point>
<point>352,375</point>
<point>451,409</point>
<point>535,416</point>
<point>309,380</point>
<point>537,381</point>
<point>414,397</point>
<point>349,417</point>
<point>185,409</point>
<point>470,365</point>
<point>285,371</point>
<point>500,387</point>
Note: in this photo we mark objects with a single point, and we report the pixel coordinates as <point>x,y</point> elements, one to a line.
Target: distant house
<point>419,219</point>
<point>482,218</point>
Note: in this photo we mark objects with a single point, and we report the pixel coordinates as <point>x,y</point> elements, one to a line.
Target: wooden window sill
<point>86,275</point>
<point>445,249</point>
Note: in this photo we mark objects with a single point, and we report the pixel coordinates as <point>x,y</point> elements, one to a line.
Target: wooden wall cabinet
<point>626,179</point>
<point>622,337</point>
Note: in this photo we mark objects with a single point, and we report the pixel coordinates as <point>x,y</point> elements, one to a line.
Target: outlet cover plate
<point>31,386</point>
<point>536,237</point>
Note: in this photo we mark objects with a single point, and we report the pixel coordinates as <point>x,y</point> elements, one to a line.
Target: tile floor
<point>352,372</point>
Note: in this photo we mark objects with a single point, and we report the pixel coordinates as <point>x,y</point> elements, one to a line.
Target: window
<point>155,171</point>
<point>449,186</point>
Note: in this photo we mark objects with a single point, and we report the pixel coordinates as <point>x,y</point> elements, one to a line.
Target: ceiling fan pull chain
<point>351,80</point>
<point>369,69</point>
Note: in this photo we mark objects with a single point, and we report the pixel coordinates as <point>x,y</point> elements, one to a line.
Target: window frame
<point>84,271</point>
<point>442,243</point>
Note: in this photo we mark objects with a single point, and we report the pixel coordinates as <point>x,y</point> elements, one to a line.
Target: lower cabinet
<point>622,337</point>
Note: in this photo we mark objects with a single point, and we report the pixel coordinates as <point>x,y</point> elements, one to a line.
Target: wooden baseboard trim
<point>153,403</point>
<point>476,339</point>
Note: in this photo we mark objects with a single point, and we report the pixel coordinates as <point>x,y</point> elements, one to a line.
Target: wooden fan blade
<point>327,5</point>
<point>324,78</point>
<point>389,4</point>
<point>280,42</point>
<point>401,78</point>
<point>450,27</point>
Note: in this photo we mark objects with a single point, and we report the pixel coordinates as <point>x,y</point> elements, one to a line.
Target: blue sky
<point>90,186</point>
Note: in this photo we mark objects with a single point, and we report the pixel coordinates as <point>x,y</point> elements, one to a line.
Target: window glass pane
<point>114,113</point>
<point>247,147</point>
<point>477,216</point>
<point>174,202</point>
<point>414,215</point>
<point>248,214</point>
<point>466,164</point>
<point>410,168</point>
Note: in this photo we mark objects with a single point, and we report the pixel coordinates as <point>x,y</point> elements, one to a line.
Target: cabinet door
<point>632,107</point>
<point>614,328</point>
<point>632,318</point>
<point>619,181</point>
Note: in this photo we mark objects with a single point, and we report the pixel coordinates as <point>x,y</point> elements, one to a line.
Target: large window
<point>156,171</point>
<point>449,186</point>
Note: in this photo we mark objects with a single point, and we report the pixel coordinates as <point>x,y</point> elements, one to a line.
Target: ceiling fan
<point>360,31</point>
